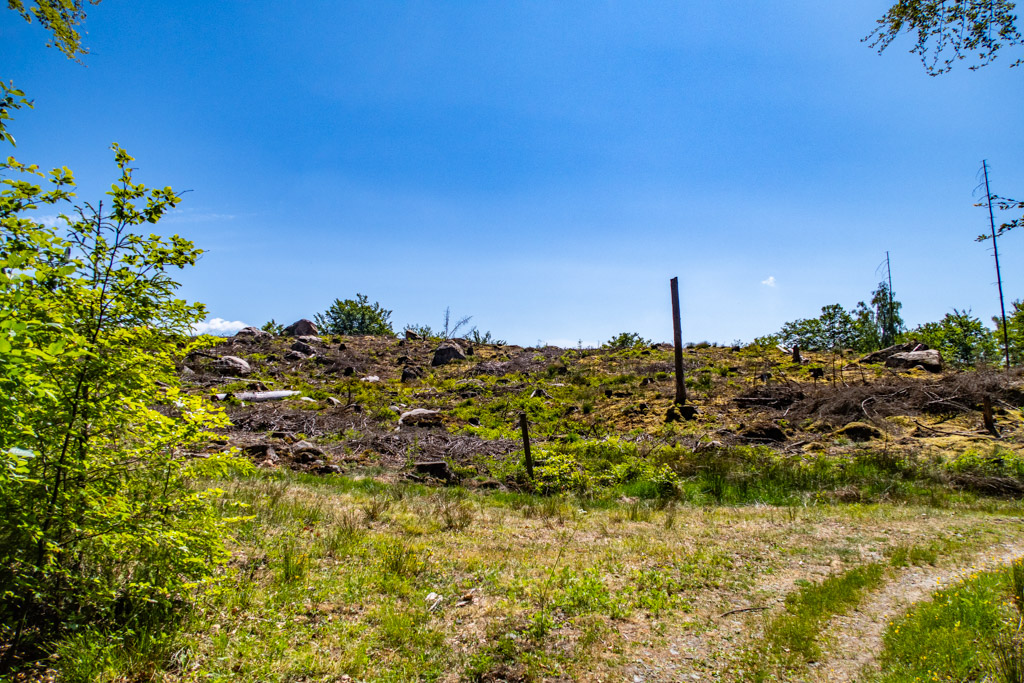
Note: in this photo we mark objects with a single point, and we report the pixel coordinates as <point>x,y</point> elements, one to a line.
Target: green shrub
<point>561,472</point>
<point>358,317</point>
<point>626,340</point>
<point>960,337</point>
<point>103,524</point>
<point>949,637</point>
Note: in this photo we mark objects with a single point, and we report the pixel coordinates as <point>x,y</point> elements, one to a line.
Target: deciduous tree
<point>102,525</point>
<point>949,31</point>
<point>61,18</point>
<point>355,317</point>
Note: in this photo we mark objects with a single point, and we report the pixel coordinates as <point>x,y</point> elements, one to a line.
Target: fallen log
<point>258,396</point>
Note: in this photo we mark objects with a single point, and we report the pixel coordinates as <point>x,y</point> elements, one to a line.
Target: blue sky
<point>543,166</point>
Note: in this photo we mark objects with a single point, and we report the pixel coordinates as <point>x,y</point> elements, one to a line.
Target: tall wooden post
<point>677,335</point>
<point>526,445</point>
<point>999,277</point>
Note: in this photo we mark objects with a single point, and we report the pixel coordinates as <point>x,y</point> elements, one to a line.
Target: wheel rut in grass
<point>852,641</point>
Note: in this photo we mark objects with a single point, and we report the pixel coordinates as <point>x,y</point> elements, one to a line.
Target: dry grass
<point>528,588</point>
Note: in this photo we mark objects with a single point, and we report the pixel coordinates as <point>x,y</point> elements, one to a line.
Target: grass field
<point>337,578</point>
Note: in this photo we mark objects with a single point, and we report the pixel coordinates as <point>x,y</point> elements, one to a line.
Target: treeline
<point>962,338</point>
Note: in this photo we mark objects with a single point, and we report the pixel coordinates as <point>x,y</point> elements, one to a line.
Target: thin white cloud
<point>193,216</point>
<point>770,282</point>
<point>219,327</point>
<point>49,220</point>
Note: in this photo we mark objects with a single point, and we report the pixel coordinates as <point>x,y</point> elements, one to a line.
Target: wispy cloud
<point>193,216</point>
<point>770,282</point>
<point>49,220</point>
<point>219,327</point>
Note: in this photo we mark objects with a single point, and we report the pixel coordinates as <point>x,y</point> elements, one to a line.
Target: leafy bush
<point>1014,332</point>
<point>561,472</point>
<point>273,327</point>
<point>626,340</point>
<point>358,317</point>
<point>103,527</point>
<point>865,328</point>
<point>960,337</point>
<point>485,338</point>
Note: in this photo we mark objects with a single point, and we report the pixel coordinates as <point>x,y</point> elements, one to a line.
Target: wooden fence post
<point>526,445</point>
<point>677,332</point>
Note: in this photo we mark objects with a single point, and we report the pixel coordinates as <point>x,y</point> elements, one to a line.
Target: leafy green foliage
<point>887,319</point>
<point>865,328</point>
<point>794,633</point>
<point>947,637</point>
<point>476,337</point>
<point>10,98</point>
<point>61,18</point>
<point>950,30</point>
<point>273,327</point>
<point>355,317</point>
<point>102,524</point>
<point>450,328</point>
<point>626,340</point>
<point>1014,331</point>
<point>961,338</point>
<point>833,330</point>
<point>1003,204</point>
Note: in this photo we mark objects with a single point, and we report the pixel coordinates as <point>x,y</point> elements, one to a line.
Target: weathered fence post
<point>526,445</point>
<point>677,332</point>
<point>986,414</point>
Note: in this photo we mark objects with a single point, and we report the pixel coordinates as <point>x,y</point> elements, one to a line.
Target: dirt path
<point>853,641</point>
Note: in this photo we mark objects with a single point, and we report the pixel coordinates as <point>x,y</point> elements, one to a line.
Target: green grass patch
<point>791,639</point>
<point>968,631</point>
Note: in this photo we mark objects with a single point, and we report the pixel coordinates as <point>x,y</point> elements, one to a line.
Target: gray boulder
<point>306,447</point>
<point>882,355</point>
<point>253,333</point>
<point>231,365</point>
<point>930,360</point>
<point>303,347</point>
<point>446,353</point>
<point>301,328</point>
<point>411,373</point>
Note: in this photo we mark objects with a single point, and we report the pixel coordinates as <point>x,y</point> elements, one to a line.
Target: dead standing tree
<point>679,407</point>
<point>995,253</point>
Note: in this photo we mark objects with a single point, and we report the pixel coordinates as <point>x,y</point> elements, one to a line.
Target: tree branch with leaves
<point>949,31</point>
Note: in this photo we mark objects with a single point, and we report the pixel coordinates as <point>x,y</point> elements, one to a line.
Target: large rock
<point>411,373</point>
<point>437,469</point>
<point>231,365</point>
<point>301,328</point>
<point>306,447</point>
<point>303,347</point>
<point>253,333</point>
<point>421,417</point>
<point>883,355</point>
<point>446,353</point>
<point>930,360</point>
